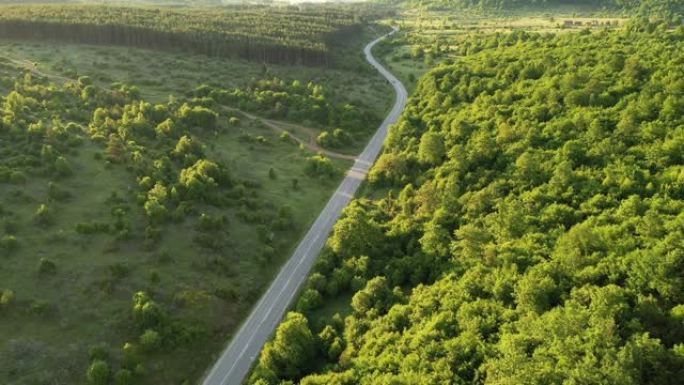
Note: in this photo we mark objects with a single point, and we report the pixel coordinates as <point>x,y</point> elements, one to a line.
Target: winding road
<point>237,359</point>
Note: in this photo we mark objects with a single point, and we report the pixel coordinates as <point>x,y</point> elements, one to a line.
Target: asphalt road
<point>236,361</point>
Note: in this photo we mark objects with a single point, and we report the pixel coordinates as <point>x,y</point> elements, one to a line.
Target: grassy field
<point>59,314</point>
<point>88,300</point>
<point>159,75</point>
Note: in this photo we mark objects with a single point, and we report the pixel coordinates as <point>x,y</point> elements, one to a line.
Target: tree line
<point>286,35</point>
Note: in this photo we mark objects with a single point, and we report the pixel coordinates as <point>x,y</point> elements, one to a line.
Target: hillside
<point>523,226</point>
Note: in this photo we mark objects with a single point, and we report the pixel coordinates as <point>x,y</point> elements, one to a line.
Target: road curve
<point>236,361</point>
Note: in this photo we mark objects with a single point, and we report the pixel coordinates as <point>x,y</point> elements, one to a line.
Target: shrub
<point>155,210</point>
<point>46,267</point>
<point>98,373</point>
<point>146,312</point>
<point>325,139</point>
<point>129,357</point>
<point>17,177</point>
<point>286,137</point>
<point>341,136</point>
<point>62,166</point>
<point>98,352</point>
<point>56,193</point>
<point>123,377</point>
<point>319,165</point>
<point>197,117</point>
<point>43,215</point>
<point>84,81</point>
<point>9,243</point>
<point>310,300</point>
<point>337,138</point>
<point>119,270</point>
<point>166,128</point>
<point>6,298</point>
<point>209,222</point>
<point>150,340</point>
<point>39,308</point>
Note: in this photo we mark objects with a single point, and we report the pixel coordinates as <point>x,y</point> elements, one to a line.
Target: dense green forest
<point>524,225</point>
<point>287,35</point>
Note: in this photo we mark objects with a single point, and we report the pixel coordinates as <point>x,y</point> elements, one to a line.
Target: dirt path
<point>280,127</point>
<point>33,68</point>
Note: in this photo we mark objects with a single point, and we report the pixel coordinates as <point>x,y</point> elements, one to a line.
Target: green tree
<point>356,233</point>
<point>98,373</point>
<point>123,377</point>
<point>291,352</point>
<point>150,340</point>
<point>431,149</point>
<point>6,298</point>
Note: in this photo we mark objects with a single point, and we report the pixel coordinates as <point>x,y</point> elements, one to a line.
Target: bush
<point>310,300</point>
<point>319,165</point>
<point>129,357</point>
<point>98,352</point>
<point>40,308</point>
<point>62,166</point>
<point>150,340</point>
<point>209,222</point>
<point>9,243</point>
<point>46,267</point>
<point>6,298</point>
<point>325,140</point>
<point>98,373</point>
<point>337,138</point>
<point>56,193</point>
<point>286,137</point>
<point>17,177</point>
<point>123,377</point>
<point>197,117</point>
<point>91,228</point>
<point>119,270</point>
<point>341,136</point>
<point>43,215</point>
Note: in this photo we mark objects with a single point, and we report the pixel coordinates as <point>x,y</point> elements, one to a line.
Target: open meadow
<point>148,197</point>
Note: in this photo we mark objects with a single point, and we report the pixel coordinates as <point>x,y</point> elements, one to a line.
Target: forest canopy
<point>528,230</point>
